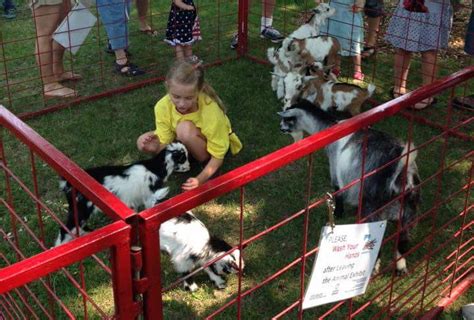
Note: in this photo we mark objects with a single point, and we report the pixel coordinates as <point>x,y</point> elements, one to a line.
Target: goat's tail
<point>407,160</point>
<point>64,186</point>
<point>370,90</point>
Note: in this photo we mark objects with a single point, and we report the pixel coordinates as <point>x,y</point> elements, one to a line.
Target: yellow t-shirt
<point>209,118</point>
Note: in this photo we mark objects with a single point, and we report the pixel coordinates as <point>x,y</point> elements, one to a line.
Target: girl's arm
<point>180,4</point>
<point>205,174</point>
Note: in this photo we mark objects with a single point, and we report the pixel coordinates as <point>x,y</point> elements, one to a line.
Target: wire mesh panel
<point>86,278</point>
<point>277,240</point>
<point>32,81</point>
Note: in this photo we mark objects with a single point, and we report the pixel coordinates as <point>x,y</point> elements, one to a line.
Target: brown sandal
<point>150,32</point>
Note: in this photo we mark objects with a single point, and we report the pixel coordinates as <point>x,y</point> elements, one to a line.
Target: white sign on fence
<point>344,262</point>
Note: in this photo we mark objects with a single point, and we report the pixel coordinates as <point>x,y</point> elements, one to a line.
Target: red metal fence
<point>440,259</point>
<point>37,281</point>
<point>70,280</point>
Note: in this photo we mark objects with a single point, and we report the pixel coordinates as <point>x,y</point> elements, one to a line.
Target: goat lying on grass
<point>345,161</point>
<point>189,244</point>
<point>135,184</point>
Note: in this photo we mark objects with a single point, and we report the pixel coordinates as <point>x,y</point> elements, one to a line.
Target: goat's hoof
<point>221,285</point>
<point>191,287</point>
<point>402,272</point>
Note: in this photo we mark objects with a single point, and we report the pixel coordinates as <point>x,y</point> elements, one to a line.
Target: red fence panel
<point>441,257</point>
<point>88,277</point>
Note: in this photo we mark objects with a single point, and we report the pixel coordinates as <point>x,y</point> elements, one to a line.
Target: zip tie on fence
<point>331,208</point>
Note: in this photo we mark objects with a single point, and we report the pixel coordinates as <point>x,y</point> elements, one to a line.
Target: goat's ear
<point>309,78</point>
<point>276,75</point>
<point>288,113</point>
<point>162,193</point>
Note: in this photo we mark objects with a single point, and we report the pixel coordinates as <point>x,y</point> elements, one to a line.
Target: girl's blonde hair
<point>183,72</point>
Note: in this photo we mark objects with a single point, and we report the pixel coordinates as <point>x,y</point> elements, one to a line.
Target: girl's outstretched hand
<point>148,142</point>
<point>190,184</point>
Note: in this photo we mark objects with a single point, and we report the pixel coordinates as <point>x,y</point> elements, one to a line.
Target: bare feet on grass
<point>57,90</point>
<point>69,76</point>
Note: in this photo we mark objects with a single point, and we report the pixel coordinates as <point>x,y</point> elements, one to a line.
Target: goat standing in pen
<point>137,185</point>
<point>319,88</point>
<point>190,245</point>
<point>281,60</point>
<point>399,178</point>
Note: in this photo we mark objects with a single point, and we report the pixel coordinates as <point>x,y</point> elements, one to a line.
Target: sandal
<point>394,95</point>
<point>367,52</point>
<point>466,102</point>
<point>150,32</point>
<point>69,76</point>
<point>194,60</point>
<point>359,76</point>
<point>109,50</point>
<point>56,90</point>
<point>128,69</point>
<point>423,105</point>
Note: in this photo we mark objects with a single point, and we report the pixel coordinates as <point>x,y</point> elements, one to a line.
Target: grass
<point>105,131</point>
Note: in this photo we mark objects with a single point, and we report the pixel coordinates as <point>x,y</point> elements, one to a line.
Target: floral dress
<point>179,30</point>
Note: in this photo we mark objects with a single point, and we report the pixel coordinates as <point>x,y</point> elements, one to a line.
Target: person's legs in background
<point>429,71</point>
<point>58,52</point>
<point>266,25</point>
<point>142,10</point>
<point>114,15</point>
<point>47,19</point>
<point>467,102</point>
<point>374,12</point>
<point>9,9</point>
<point>401,68</point>
<point>266,21</point>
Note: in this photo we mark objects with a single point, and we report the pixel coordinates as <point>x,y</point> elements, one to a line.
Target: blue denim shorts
<point>114,15</point>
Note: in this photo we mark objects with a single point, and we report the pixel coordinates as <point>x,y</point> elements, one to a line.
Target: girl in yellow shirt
<point>192,113</point>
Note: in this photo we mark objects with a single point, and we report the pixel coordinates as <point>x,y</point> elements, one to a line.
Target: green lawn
<point>104,132</point>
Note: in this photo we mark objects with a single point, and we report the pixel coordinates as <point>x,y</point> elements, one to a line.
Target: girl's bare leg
<point>401,68</point>
<point>142,10</point>
<point>179,51</point>
<point>192,138</point>
<point>429,70</point>
<point>357,61</point>
<point>188,51</point>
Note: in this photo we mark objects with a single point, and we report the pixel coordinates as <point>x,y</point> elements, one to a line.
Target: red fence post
<point>122,271</point>
<point>242,31</point>
<point>152,299</point>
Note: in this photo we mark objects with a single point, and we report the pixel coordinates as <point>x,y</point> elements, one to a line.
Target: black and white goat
<point>345,161</point>
<point>136,184</point>
<point>189,244</point>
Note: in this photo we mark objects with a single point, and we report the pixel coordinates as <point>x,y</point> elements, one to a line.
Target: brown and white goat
<point>307,51</point>
<point>318,88</point>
